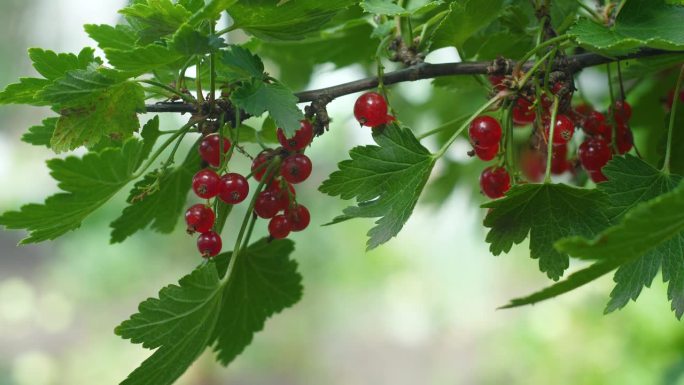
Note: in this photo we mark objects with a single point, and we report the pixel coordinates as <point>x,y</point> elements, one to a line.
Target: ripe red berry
<point>301,138</point>
<point>597,176</point>
<point>199,218</point>
<point>486,153</point>
<point>233,188</point>
<point>370,110</point>
<point>583,109</point>
<point>260,164</point>
<point>296,168</point>
<point>594,153</point>
<point>563,131</point>
<point>497,82</point>
<point>523,113</point>
<point>484,131</point>
<point>267,205</point>
<point>206,183</point>
<point>532,165</point>
<point>622,111</point>
<point>279,227</point>
<point>594,123</point>
<point>298,217</point>
<point>285,195</point>
<point>495,181</point>
<point>624,139</point>
<point>209,149</point>
<point>559,159</point>
<point>209,244</point>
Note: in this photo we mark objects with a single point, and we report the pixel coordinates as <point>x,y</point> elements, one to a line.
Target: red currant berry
<point>497,81</point>
<point>301,138</point>
<point>597,176</point>
<point>298,217</point>
<point>233,188</point>
<point>484,131</point>
<point>623,111</point>
<point>279,227</point>
<point>285,195</point>
<point>670,99</point>
<point>199,218</point>
<point>594,123</point>
<point>624,139</point>
<point>486,153</point>
<point>260,164</point>
<point>523,113</point>
<point>583,109</point>
<point>267,204</point>
<point>532,165</point>
<point>209,244</point>
<point>594,153</point>
<point>370,110</point>
<point>209,149</point>
<point>495,181</point>
<point>206,183</point>
<point>296,168</point>
<point>563,131</point>
<point>559,161</point>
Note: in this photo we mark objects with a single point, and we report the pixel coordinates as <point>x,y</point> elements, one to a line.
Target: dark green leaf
<point>383,7</point>
<point>142,59</point>
<point>386,180</point>
<point>41,135</point>
<point>154,19</point>
<point>258,97</point>
<point>237,63</point>
<point>189,41</point>
<point>465,18</point>
<point>547,212</point>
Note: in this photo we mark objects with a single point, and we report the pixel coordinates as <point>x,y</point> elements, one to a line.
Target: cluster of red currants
<point>233,188</point>
<point>485,133</point>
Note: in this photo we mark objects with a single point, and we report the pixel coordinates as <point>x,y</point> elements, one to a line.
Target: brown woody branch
<point>426,71</point>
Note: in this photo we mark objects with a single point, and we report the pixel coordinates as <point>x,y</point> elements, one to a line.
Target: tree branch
<point>425,71</point>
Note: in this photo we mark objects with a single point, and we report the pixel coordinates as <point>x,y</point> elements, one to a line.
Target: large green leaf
<point>383,7</point>
<point>238,63</point>
<point>257,97</point>
<point>386,180</point>
<point>41,135</point>
<point>547,212</point>
<point>465,18</point>
<point>263,282</point>
<point>143,59</point>
<point>118,37</point>
<point>641,23</point>
<point>154,19</point>
<point>179,323</point>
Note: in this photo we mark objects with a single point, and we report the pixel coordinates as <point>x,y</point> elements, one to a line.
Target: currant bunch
<point>485,134</point>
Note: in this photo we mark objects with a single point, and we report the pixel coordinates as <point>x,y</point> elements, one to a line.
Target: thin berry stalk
<point>673,112</point>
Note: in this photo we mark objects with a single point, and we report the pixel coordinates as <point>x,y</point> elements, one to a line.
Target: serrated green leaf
<point>180,323</point>
<point>189,41</point>
<point>464,19</point>
<point>238,63</point>
<point>25,92</point>
<point>545,212</point>
<point>212,10</point>
<point>76,86</point>
<point>87,182</point>
<point>141,60</point>
<point>53,66</point>
<point>383,7</point>
<point>640,24</point>
<point>118,37</point>
<point>264,281</point>
<point>258,97</point>
<point>290,20</point>
<point>155,19</point>
<point>157,200</point>
<point>41,135</point>
<point>386,180</point>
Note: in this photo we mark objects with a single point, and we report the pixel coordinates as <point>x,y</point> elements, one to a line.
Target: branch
<point>427,71</point>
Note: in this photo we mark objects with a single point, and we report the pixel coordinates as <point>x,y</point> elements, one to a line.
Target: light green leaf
<point>238,63</point>
<point>24,92</point>
<point>53,66</point>
<point>142,59</point>
<point>155,19</point>
<point>189,41</point>
<point>258,97</point>
<point>41,135</point>
<point>545,212</point>
<point>118,37</point>
<point>264,281</point>
<point>386,180</point>
<point>212,10</point>
<point>383,7</point>
<point>464,19</point>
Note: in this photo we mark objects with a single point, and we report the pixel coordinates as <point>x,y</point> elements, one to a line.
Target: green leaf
<point>154,19</point>
<point>189,41</point>
<point>141,60</point>
<point>264,281</point>
<point>464,19</point>
<point>291,20</point>
<point>158,199</point>
<point>258,97</point>
<point>118,37</point>
<point>386,180</point>
<point>24,92</point>
<point>53,66</point>
<point>547,212</point>
<point>41,135</point>
<point>87,182</point>
<point>78,85</point>
<point>212,10</point>
<point>640,24</point>
<point>180,323</point>
<point>383,7</point>
<point>238,63</point>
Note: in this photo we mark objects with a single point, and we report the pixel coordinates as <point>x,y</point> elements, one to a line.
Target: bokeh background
<point>420,310</point>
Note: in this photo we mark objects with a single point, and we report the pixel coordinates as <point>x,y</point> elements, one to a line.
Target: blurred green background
<point>419,310</point>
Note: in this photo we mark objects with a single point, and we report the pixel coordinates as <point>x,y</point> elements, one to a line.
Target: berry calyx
<point>209,244</point>
<point>206,183</point>
<point>298,217</point>
<point>210,151</point>
<point>302,137</point>
<point>233,188</point>
<point>296,168</point>
<point>260,164</point>
<point>563,131</point>
<point>199,218</point>
<point>495,181</point>
<point>594,153</point>
<point>523,113</point>
<point>279,227</point>
<point>370,110</point>
<point>484,131</point>
<point>267,204</point>
<point>486,153</point>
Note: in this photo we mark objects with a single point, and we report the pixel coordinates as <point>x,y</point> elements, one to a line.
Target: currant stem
<point>547,43</point>
<point>163,147</point>
<point>549,145</point>
<point>534,69</point>
<point>465,125</point>
<point>441,127</point>
<point>673,112</point>
<point>185,97</point>
<point>212,71</point>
